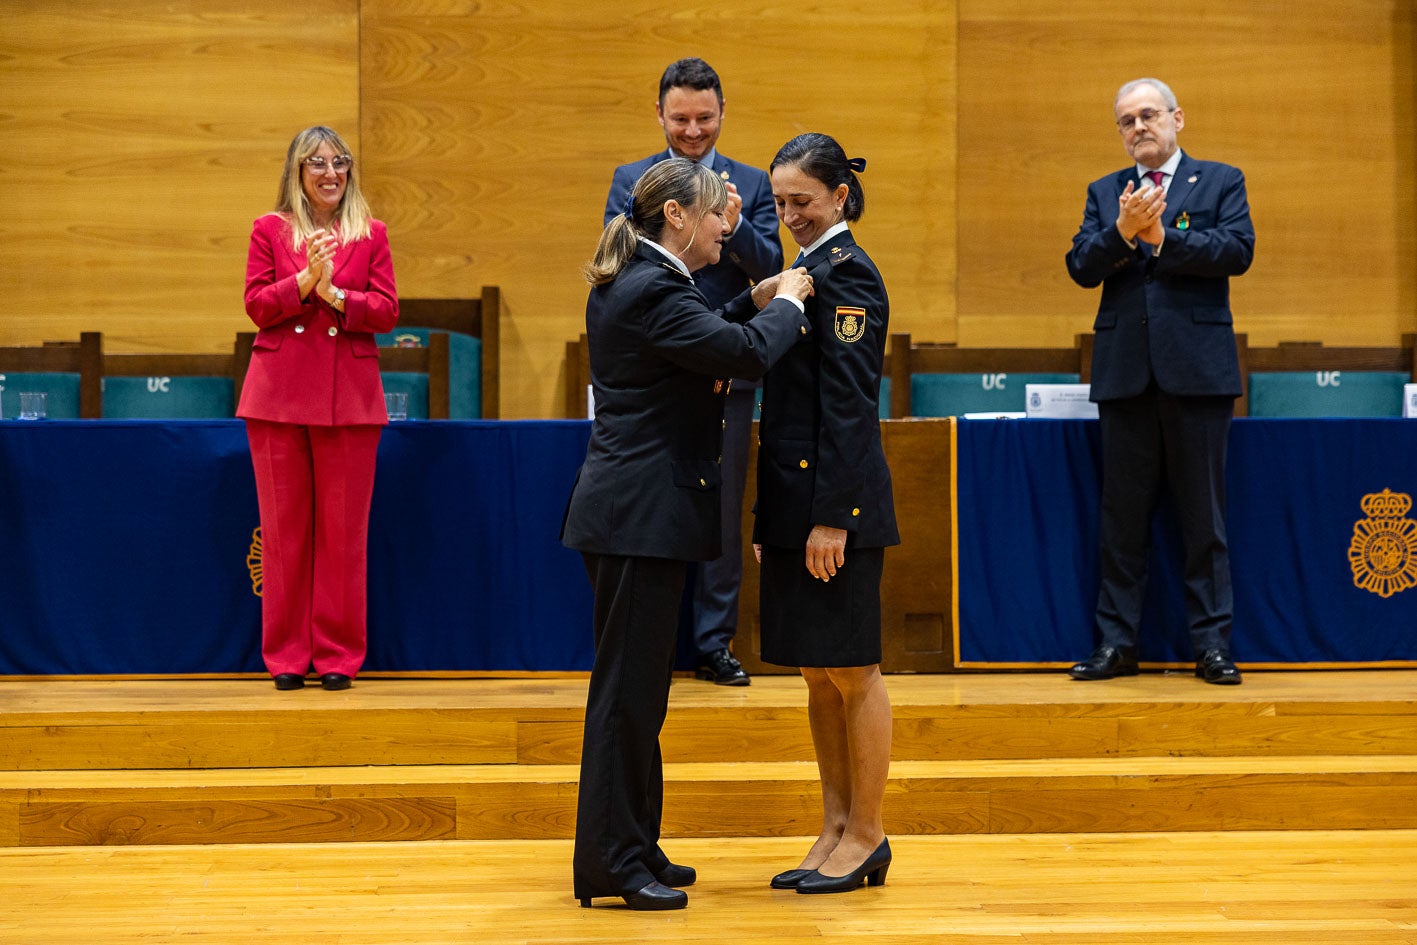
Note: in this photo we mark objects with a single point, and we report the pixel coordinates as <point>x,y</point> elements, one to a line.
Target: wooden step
<point>743,799</point>
<point>149,724</point>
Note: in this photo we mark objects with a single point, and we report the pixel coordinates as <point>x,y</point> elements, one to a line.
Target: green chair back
<point>1327,394</point>
<point>464,370</point>
<point>62,390</point>
<point>952,395</point>
<point>168,398</point>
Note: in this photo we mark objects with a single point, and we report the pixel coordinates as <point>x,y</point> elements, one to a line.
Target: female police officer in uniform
<point>825,514</point>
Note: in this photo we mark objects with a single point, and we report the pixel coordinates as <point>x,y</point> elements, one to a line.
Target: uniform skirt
<point>807,622</point>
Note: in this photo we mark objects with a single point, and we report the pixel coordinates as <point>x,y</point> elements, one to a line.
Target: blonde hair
<point>352,216</point>
<point>693,186</point>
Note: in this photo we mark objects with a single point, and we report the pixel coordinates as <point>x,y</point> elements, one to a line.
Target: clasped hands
<point>793,282</point>
<point>319,264</point>
<point>1139,214</point>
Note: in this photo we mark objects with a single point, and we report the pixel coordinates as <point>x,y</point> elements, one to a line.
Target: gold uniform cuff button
<point>803,464</point>
<point>703,482</point>
<point>855,512</point>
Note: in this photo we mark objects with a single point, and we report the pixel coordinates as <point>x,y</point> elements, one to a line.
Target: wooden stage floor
<point>1023,808</point>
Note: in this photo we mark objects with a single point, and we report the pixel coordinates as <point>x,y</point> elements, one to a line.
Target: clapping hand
<point>1139,214</point>
<point>735,208</point>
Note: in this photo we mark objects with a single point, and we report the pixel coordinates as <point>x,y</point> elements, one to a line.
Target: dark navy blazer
<point>1167,316</point>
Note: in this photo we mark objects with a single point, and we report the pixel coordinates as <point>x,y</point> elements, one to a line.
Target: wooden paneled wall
<point>491,137</point>
<point>1312,99</point>
<point>138,140</point>
<point>141,138</point>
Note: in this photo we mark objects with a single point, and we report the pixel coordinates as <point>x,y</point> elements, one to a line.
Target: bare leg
<point>826,713</point>
<point>867,730</point>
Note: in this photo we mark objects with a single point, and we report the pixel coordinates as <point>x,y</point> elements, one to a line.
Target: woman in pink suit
<point>319,285</point>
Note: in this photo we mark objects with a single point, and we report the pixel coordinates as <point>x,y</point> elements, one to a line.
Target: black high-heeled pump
<point>652,898</point>
<point>788,879</point>
<point>872,872</point>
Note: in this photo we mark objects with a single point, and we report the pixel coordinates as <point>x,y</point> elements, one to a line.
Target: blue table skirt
<point>124,548</point>
<point>1028,496</point>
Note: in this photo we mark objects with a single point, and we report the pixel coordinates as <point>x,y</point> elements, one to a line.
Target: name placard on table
<point>1060,401</point>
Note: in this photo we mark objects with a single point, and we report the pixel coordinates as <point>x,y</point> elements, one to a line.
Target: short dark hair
<point>820,157</point>
<point>692,73</point>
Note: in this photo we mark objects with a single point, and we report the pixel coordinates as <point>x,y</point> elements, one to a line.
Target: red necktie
<point>1156,177</point>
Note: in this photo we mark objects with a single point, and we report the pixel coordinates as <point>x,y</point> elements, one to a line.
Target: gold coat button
<point>803,464</point>
<point>299,329</point>
<point>855,512</point>
<point>703,482</point>
<point>333,331</point>
<point>802,329</point>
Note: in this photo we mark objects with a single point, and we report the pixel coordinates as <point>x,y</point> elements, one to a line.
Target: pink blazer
<point>313,365</point>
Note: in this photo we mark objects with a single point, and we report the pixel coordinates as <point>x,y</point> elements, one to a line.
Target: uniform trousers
<point>1149,442</point>
<point>621,797</point>
<point>314,485</point>
<point>716,582</point>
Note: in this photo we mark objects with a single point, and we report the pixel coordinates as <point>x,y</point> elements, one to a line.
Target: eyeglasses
<point>341,164</point>
<point>1147,116</point>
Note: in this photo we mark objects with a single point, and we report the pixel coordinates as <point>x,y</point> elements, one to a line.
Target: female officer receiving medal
<point>646,499</point>
<point>825,514</point>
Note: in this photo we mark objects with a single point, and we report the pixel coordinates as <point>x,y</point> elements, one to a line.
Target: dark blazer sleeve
<point>1098,249</point>
<point>754,246</point>
<point>850,375</point>
<point>686,332</point>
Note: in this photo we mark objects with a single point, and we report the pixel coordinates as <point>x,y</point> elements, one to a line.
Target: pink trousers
<point>314,485</point>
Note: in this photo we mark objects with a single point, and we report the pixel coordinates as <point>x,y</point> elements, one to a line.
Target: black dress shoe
<point>872,872</point>
<point>789,879</point>
<point>290,681</point>
<point>1215,667</point>
<point>653,898</point>
<point>334,681</point>
<point>722,669</point>
<point>1106,662</point>
<point>676,876</point>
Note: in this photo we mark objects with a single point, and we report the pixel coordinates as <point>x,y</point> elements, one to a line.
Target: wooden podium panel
<point>917,589</point>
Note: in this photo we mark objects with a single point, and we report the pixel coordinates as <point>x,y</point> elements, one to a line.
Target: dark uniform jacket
<point>820,460</point>
<point>658,358</point>
<point>1167,316</point>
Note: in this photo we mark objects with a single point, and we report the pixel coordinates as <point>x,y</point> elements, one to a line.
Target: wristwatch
<point>339,296</point>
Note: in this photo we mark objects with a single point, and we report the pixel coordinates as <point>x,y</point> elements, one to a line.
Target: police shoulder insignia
<point>850,323</point>
<point>839,256</point>
<point>1383,552</point>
